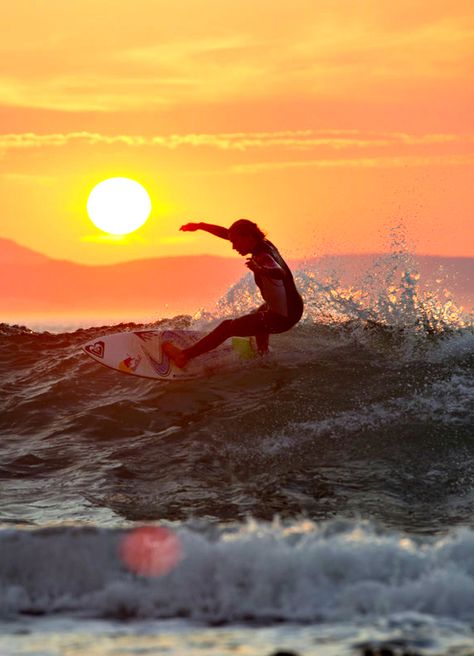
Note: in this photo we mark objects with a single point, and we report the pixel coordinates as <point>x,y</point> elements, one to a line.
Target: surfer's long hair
<point>246,227</point>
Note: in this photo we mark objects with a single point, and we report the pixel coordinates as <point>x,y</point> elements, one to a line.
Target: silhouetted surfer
<point>283,305</point>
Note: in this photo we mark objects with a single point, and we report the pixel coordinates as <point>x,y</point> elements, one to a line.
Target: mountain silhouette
<point>13,253</point>
<point>32,283</point>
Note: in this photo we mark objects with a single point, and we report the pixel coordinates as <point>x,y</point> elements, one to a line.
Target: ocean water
<point>317,501</point>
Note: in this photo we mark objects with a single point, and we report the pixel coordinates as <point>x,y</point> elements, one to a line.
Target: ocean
<point>316,501</point>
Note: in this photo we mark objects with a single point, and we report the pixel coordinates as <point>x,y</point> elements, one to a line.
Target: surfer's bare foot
<point>174,353</point>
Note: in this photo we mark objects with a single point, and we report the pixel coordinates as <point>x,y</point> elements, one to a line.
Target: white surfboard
<point>139,353</point>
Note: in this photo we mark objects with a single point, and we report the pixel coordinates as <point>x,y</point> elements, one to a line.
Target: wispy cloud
<point>254,152</point>
<point>241,141</point>
<point>362,162</point>
<point>54,140</point>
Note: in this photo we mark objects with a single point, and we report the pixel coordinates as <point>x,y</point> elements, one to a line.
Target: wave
<point>331,402</point>
<point>255,572</point>
<point>364,409</point>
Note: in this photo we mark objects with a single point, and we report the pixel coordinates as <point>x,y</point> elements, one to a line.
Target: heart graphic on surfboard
<point>97,349</point>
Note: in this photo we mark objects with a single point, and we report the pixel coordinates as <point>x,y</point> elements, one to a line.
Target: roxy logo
<point>96,349</point>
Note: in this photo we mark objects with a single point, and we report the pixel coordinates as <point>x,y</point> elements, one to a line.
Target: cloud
<point>254,152</point>
<point>54,140</point>
<point>241,141</point>
<point>363,162</point>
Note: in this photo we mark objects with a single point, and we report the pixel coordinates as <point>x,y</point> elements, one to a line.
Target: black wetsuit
<point>282,309</point>
<point>283,303</point>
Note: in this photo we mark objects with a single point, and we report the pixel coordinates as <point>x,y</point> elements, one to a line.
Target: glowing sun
<point>118,206</point>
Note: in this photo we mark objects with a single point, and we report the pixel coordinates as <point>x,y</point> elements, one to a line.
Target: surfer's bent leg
<point>246,326</point>
<point>259,323</point>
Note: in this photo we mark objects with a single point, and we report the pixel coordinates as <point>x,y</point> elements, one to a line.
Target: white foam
<point>302,572</point>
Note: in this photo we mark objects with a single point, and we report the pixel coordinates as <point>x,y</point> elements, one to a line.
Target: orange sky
<point>327,122</point>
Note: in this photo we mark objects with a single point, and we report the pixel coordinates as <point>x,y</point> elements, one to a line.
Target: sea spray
<point>389,299</point>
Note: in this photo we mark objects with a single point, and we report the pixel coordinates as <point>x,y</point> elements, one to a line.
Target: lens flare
<point>151,550</point>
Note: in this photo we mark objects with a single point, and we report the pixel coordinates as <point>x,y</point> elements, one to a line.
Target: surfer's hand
<point>190,227</point>
<point>252,265</point>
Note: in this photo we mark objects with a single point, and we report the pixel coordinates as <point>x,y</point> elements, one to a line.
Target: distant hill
<point>13,253</point>
<point>32,283</point>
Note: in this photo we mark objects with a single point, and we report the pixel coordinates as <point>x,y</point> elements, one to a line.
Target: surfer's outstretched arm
<point>217,231</point>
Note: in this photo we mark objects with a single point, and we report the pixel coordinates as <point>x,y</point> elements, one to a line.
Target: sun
<point>118,205</point>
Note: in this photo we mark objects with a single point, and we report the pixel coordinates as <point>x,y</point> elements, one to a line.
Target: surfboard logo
<point>163,367</point>
<point>97,349</point>
<point>130,364</point>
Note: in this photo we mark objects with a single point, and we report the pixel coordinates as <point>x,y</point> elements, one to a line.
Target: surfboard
<point>139,353</point>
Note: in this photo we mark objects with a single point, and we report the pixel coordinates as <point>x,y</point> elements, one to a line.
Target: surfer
<point>283,304</point>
